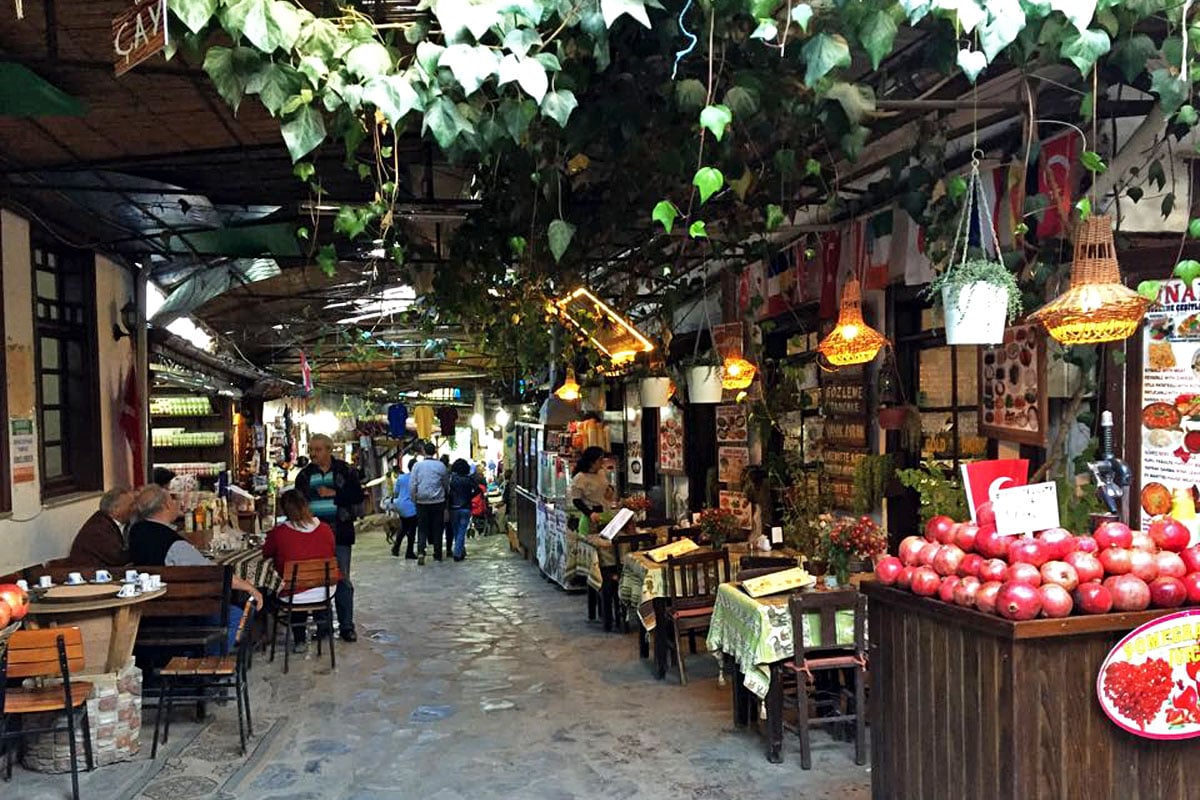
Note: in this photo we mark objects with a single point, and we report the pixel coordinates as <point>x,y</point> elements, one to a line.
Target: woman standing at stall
<point>590,491</point>
<point>463,489</point>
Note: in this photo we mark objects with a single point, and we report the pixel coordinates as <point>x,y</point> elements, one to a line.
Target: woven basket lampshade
<point>1097,307</point>
<point>737,373</point>
<point>852,341</point>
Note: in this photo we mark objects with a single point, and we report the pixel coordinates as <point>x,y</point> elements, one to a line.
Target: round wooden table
<point>109,626</point>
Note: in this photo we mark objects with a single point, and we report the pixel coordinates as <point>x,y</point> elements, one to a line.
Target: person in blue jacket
<point>402,504</point>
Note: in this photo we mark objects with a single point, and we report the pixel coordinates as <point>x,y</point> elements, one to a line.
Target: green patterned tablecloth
<point>757,633</point>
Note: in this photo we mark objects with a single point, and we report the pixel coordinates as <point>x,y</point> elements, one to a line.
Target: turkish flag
<point>130,423</point>
<point>982,479</point>
<point>1055,183</point>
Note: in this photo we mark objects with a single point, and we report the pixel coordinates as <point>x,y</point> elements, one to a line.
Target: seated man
<point>154,542</point>
<point>101,540</point>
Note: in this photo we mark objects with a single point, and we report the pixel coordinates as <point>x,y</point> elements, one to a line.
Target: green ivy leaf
<point>549,61</point>
<point>612,9</point>
<point>1149,290</point>
<point>519,40</point>
<point>856,100</point>
<point>1087,106</point>
<point>853,141</point>
<point>559,237</point>
<point>1083,48</point>
<point>444,121</point>
<point>558,105</point>
<point>1168,204</point>
<point>303,233</point>
<point>327,260</point>
<point>1187,270</point>
<point>350,222</point>
<point>775,217</point>
<point>517,245</point>
<point>971,62</point>
<point>709,181</point>
<point>528,73</point>
<point>1134,193</point>
<point>1092,162</point>
<point>1084,207</point>
<point>230,69</point>
<point>716,119</point>
<point>698,230</point>
<point>274,84</point>
<point>1187,115</point>
<point>665,213</point>
<point>1005,22</point>
<point>393,95</point>
<point>303,132</point>
<point>812,168</point>
<point>471,65</point>
<point>877,35</point>
<point>956,187</point>
<point>1194,228</point>
<point>690,94</point>
<point>1131,55</point>
<point>1156,175</point>
<point>428,56</point>
<point>304,170</point>
<point>823,53</point>
<point>801,15</point>
<point>194,14</point>
<point>368,59</point>
<point>766,30</point>
<point>915,10</point>
<point>516,115</point>
<point>1172,92</point>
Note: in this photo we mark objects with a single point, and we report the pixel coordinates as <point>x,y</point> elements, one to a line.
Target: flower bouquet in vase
<point>717,526</point>
<point>851,539</point>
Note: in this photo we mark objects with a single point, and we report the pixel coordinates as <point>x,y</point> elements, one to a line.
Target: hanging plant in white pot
<point>655,391</point>
<point>705,383</point>
<point>979,295</point>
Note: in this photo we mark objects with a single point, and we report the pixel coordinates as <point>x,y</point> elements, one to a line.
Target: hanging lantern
<point>569,390</point>
<point>1098,307</point>
<point>737,373</point>
<point>852,341</point>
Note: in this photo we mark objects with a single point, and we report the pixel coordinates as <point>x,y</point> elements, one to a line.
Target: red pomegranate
<point>948,559</point>
<point>928,553</point>
<point>1061,574</point>
<point>1056,601</point>
<point>1191,558</point>
<point>1086,544</point>
<point>985,597</point>
<point>1018,601</point>
<point>1058,542</point>
<point>1170,565</point>
<point>993,569</point>
<point>1024,573</point>
<point>1143,565</point>
<point>1086,565</point>
<point>1092,598</point>
<point>910,548</point>
<point>887,569</point>
<point>990,544</point>
<point>970,565</point>
<point>1170,534</point>
<point>968,587</point>
<point>985,515</point>
<point>925,582</point>
<point>1130,593</point>
<point>1028,551</point>
<point>904,577</point>
<point>1113,534</point>
<point>948,587</point>
<point>1167,593</point>
<point>1116,560</point>
<point>1142,541</point>
<point>940,529</point>
<point>965,534</point>
<point>1191,582</point>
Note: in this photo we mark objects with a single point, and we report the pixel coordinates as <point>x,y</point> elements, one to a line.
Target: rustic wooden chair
<point>201,593</point>
<point>829,655</point>
<point>692,582</point>
<point>186,678</point>
<point>611,607</point>
<point>51,653</point>
<point>300,576</point>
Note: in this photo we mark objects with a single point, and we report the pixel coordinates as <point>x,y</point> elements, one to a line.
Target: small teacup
<point>128,590</point>
<point>23,584</point>
<point>156,581</point>
<point>45,582</point>
<point>144,582</point>
<point>75,578</point>
<point>103,576</point>
<point>131,575</point>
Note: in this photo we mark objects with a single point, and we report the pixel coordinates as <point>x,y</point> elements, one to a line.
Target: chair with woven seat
<point>304,576</point>
<point>692,582</point>
<point>204,678</point>
<point>829,655</point>
<point>51,653</point>
<point>610,602</point>
<point>757,566</point>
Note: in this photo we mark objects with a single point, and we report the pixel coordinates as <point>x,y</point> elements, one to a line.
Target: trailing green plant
<point>803,500</point>
<point>871,476</point>
<point>940,495</point>
<point>978,270</point>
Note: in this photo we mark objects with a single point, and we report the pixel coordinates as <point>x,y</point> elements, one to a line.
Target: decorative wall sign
<point>138,34</point>
<point>731,424</point>
<point>737,504</point>
<point>1012,387</point>
<point>670,441</point>
<point>633,435</point>
<point>23,444</point>
<point>844,400</point>
<point>1148,683</point>
<point>731,461</point>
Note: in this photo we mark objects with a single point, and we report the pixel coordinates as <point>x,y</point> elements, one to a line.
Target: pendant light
<point>852,341</point>
<point>569,390</point>
<point>737,372</point>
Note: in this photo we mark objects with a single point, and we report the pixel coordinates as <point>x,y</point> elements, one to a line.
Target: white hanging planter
<point>704,384</point>
<point>975,313</point>
<point>655,392</point>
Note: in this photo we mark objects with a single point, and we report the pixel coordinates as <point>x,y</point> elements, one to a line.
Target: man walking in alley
<point>334,492</point>
<point>428,488</point>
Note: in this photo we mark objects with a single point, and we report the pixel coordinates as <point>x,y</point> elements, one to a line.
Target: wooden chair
<point>51,653</point>
<point>610,603</point>
<point>201,676</point>
<point>299,576</point>
<point>692,582</point>
<point>202,593</point>
<point>757,566</point>
<point>829,655</point>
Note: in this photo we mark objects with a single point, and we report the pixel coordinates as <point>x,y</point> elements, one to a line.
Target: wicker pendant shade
<point>1097,307</point>
<point>737,373</point>
<point>852,341</point>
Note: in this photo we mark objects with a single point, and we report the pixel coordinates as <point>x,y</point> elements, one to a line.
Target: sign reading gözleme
<point>138,34</point>
<point>1149,683</point>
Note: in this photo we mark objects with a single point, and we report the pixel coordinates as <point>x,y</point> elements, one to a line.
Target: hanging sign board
<point>1148,683</point>
<point>139,33</point>
<point>1026,509</point>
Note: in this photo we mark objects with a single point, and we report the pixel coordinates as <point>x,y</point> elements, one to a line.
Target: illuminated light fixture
<point>737,373</point>
<point>610,332</point>
<point>502,418</point>
<point>852,340</point>
<point>477,422</point>
<point>1097,307</point>
<point>569,390</point>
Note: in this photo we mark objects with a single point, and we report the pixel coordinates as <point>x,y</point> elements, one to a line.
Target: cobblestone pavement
<point>476,679</point>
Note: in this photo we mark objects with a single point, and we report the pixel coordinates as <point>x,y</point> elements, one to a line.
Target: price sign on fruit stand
<point>1149,685</point>
<point>1026,509</point>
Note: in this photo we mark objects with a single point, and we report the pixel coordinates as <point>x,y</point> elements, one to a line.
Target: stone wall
<point>115,715</point>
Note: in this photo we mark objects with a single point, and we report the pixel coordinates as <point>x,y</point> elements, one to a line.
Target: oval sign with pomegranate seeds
<point>1149,684</point>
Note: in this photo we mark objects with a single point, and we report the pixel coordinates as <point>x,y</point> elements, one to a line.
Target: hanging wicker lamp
<point>737,373</point>
<point>1097,307</point>
<point>852,341</point>
<point>569,390</point>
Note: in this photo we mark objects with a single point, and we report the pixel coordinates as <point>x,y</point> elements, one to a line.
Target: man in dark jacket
<point>101,540</point>
<point>334,491</point>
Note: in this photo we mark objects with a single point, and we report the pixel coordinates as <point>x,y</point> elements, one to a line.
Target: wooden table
<point>109,626</point>
<point>965,704</point>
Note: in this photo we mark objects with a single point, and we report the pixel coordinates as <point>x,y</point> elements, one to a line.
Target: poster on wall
<point>670,441</point>
<point>737,504</point>
<point>731,462</point>
<point>633,435</point>
<point>23,444</point>
<point>1012,387</point>
<point>1170,412</point>
<point>731,424</point>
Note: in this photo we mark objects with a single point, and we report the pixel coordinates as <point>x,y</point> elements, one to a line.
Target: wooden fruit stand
<point>965,704</point>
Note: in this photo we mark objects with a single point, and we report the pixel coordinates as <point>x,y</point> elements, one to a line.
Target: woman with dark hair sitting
<point>302,537</point>
<point>591,493</point>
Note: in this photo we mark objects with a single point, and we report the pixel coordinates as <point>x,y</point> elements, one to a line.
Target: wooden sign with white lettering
<point>138,34</point>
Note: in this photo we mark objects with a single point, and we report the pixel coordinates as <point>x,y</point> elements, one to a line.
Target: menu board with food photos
<point>1012,387</point>
<point>737,504</point>
<point>1170,412</point>
<point>670,441</point>
<point>732,425</point>
<point>731,463</point>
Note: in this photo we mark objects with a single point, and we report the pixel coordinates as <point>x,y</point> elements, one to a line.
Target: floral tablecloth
<point>758,632</point>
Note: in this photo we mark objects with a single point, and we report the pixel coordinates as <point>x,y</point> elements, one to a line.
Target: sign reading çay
<point>138,34</point>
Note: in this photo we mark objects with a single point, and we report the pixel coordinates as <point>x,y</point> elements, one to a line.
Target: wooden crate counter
<point>965,704</point>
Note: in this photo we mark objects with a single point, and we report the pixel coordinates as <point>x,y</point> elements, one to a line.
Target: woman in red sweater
<point>302,538</point>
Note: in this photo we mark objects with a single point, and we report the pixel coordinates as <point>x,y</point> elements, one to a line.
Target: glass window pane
<point>47,285</point>
<point>52,426</point>
<point>51,388</point>
<point>53,465</point>
<point>50,349</point>
<point>54,311</point>
<point>73,288</point>
<point>51,259</point>
<point>934,386</point>
<point>970,444</point>
<point>968,375</point>
<point>39,256</point>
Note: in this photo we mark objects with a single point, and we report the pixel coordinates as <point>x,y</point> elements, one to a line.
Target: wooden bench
<point>196,592</point>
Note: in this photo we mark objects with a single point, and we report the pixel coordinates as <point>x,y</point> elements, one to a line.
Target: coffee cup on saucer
<point>131,576</point>
<point>45,582</point>
<point>128,590</point>
<point>103,576</point>
<point>23,584</point>
<point>75,578</point>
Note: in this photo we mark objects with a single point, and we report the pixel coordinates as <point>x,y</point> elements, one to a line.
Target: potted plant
<point>871,476</point>
<point>939,494</point>
<point>704,376</point>
<point>853,539</point>
<point>718,525</point>
<point>655,387</point>
<point>979,296</point>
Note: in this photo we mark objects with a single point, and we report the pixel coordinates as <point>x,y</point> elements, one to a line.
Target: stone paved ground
<point>478,679</point>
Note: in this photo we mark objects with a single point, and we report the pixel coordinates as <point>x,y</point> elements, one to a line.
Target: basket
<point>852,340</point>
<point>1097,307</point>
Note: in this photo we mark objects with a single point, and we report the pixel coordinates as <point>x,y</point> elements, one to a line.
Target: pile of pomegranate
<point>1052,574</point>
